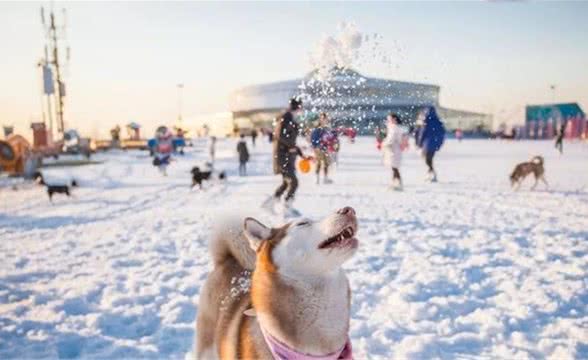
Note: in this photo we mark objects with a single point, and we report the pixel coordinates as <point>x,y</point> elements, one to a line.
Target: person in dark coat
<point>560,136</point>
<point>253,136</point>
<point>243,155</point>
<point>285,151</point>
<point>430,138</point>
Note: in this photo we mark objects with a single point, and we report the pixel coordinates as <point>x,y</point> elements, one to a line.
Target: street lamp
<point>552,87</point>
<point>180,88</point>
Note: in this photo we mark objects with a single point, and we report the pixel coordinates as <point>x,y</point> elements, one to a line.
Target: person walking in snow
<point>243,155</point>
<point>212,148</point>
<point>163,149</point>
<point>380,136</point>
<point>253,136</point>
<point>560,136</point>
<point>430,138</point>
<point>320,139</point>
<point>285,151</point>
<point>333,146</point>
<point>459,134</point>
<point>393,145</point>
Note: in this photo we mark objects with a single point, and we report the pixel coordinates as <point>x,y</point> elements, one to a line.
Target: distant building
<point>350,99</point>
<point>545,121</point>
<point>218,124</point>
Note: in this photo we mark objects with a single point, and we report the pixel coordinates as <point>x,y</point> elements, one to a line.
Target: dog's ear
<point>255,232</point>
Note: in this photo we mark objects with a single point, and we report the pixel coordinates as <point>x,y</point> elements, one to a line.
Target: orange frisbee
<point>304,166</point>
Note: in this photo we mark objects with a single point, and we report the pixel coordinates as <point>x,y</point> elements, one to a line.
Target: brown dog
<point>535,167</point>
<point>278,290</point>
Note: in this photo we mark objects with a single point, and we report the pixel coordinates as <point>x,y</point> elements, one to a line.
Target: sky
<point>128,57</point>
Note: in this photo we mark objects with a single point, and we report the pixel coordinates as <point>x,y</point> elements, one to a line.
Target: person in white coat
<point>393,146</point>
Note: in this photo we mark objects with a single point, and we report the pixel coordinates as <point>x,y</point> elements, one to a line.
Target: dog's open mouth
<point>343,239</point>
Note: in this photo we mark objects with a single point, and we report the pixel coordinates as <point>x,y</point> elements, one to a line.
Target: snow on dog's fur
<point>289,278</point>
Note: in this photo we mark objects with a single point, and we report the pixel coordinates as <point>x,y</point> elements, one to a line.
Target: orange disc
<point>304,166</point>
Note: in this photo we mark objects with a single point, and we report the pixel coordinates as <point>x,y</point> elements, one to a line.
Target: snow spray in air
<point>335,86</point>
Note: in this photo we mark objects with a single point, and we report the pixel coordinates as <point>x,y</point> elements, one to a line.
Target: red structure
<point>40,135</point>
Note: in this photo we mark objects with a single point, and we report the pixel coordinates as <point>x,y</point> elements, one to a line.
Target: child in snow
<point>393,145</point>
<point>243,155</point>
<point>163,149</point>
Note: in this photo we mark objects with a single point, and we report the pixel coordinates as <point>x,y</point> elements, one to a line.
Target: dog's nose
<point>347,210</point>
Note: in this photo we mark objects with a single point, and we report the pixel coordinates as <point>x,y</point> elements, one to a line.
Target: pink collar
<point>281,351</point>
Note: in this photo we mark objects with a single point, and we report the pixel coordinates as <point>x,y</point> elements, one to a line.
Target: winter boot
<point>270,204</point>
<point>289,211</point>
<point>396,185</point>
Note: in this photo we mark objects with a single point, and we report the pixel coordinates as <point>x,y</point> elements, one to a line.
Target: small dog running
<point>522,170</point>
<point>54,189</point>
<point>198,176</point>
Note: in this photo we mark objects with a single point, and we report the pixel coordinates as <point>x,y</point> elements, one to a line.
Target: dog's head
<point>513,177</point>
<point>537,160</point>
<point>305,247</point>
<point>195,170</point>
<point>38,178</point>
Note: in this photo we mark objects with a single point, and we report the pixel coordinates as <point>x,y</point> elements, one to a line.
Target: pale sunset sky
<point>127,57</point>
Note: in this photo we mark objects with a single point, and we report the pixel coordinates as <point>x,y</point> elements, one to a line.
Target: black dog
<point>54,189</point>
<point>200,176</point>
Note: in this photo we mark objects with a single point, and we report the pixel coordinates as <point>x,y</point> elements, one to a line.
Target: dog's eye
<point>303,223</point>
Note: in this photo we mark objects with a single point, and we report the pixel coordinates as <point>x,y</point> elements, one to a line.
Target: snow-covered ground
<point>462,268</point>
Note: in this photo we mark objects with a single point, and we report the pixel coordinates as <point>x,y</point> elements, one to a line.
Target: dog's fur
<point>284,279</point>
<point>54,189</point>
<point>522,170</point>
<point>198,176</point>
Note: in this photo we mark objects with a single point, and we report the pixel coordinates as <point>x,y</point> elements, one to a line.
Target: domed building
<point>349,98</point>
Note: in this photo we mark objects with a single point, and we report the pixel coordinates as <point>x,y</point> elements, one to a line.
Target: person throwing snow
<point>393,145</point>
<point>285,151</point>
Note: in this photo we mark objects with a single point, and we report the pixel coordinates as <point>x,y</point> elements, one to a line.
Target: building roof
<point>344,86</point>
<point>553,111</point>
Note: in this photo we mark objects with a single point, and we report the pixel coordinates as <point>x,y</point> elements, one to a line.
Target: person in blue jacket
<point>430,138</point>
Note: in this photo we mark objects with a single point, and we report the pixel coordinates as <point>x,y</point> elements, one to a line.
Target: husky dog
<point>522,170</point>
<point>278,292</point>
